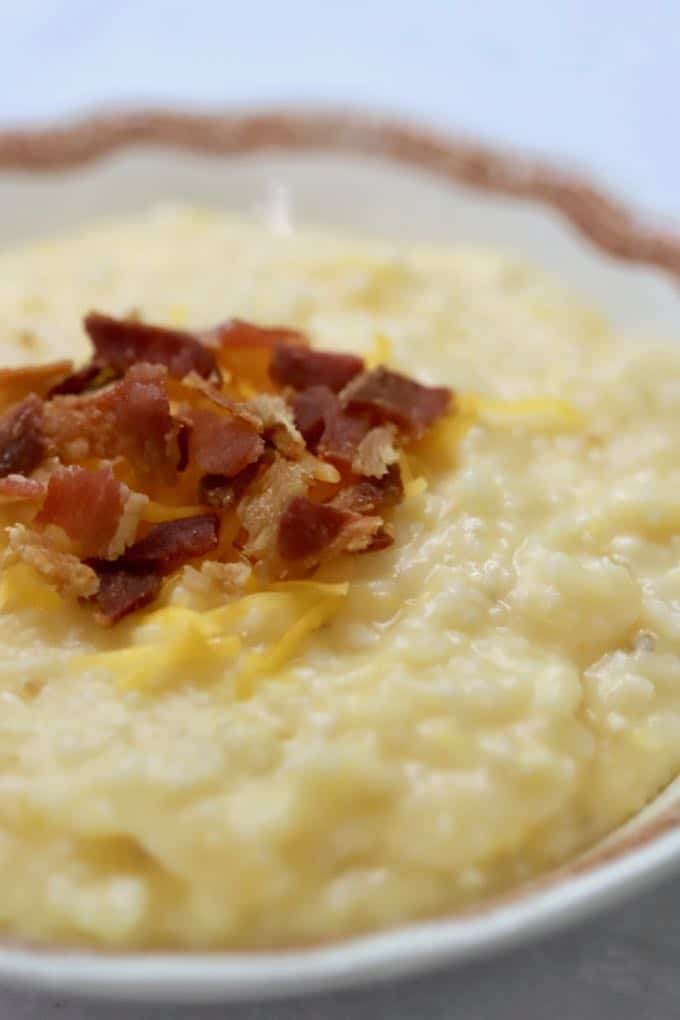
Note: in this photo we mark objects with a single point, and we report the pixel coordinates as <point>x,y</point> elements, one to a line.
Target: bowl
<point>396,181</point>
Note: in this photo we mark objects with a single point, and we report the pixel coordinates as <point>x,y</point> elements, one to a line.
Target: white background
<point>595,83</point>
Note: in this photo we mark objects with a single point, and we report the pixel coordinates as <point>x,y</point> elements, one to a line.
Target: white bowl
<point>397,182</point>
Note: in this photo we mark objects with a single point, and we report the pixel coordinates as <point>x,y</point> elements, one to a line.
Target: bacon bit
<point>206,389</point>
<point>168,546</point>
<point>369,495</point>
<point>312,532</point>
<point>122,343</point>
<point>244,350</point>
<point>18,383</point>
<point>342,436</point>
<point>376,452</point>
<point>90,377</point>
<point>69,576</point>
<point>276,421</point>
<point>122,591</point>
<point>130,418</point>
<point>390,396</point>
<point>87,505</point>
<point>307,528</point>
<point>21,444</point>
<point>221,445</point>
<point>134,506</point>
<point>268,496</point>
<point>301,367</point>
<point>19,489</point>
<point>310,409</point>
<point>222,492</point>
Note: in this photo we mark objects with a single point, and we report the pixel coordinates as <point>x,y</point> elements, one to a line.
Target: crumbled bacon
<point>18,383</point>
<point>376,452</point>
<point>277,422</point>
<point>226,578</point>
<point>21,444</point>
<point>244,350</point>
<point>121,591</point>
<point>130,418</point>
<point>222,492</point>
<point>312,532</point>
<point>62,569</point>
<point>221,444</point>
<point>372,494</point>
<point>301,367</point>
<point>98,513</point>
<point>169,545</point>
<point>310,410</point>
<point>390,396</point>
<point>19,489</point>
<point>327,427</point>
<point>122,343</point>
<point>91,376</point>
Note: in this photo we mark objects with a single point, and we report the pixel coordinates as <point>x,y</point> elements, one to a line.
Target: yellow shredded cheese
<point>156,513</point>
<point>380,353</point>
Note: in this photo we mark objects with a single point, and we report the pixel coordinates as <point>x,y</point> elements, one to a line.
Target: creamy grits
<point>436,722</point>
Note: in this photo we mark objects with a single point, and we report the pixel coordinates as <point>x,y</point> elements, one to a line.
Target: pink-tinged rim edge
<point>606,222</point>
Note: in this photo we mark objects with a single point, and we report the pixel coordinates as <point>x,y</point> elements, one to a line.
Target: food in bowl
<point>356,608</point>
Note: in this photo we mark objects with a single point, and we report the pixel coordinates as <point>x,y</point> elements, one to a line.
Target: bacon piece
<point>21,444</point>
<point>307,528</point>
<point>327,427</point>
<point>122,343</point>
<point>19,489</point>
<point>390,396</point>
<point>372,494</point>
<point>269,494</point>
<point>222,492</point>
<point>312,532</point>
<point>301,367</point>
<point>277,423</point>
<point>65,571</point>
<point>130,418</point>
<point>376,452</point>
<point>221,445</point>
<point>98,513</point>
<point>168,546</point>
<point>91,376</point>
<point>122,591</point>
<point>225,578</point>
<point>206,389</point>
<point>244,350</point>
<point>18,383</point>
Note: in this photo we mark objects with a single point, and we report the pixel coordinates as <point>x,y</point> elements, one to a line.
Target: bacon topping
<point>62,569</point>
<point>237,333</point>
<point>390,396</point>
<point>327,427</point>
<point>130,418</point>
<point>121,343</point>
<point>169,545</point>
<point>122,591</point>
<point>277,423</point>
<point>307,528</point>
<point>21,444</point>
<point>301,367</point>
<point>372,494</point>
<point>376,452</point>
<point>222,445</point>
<point>88,506</point>
<point>90,377</point>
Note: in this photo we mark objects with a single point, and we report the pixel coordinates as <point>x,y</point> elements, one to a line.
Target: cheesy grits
<point>397,735</point>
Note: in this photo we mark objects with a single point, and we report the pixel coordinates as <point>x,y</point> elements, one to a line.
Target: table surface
<point>589,83</point>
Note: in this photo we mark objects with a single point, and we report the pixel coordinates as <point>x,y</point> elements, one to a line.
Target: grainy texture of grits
<point>500,688</point>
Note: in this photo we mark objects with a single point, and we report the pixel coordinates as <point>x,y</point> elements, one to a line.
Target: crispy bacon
<point>222,492</point>
<point>376,452</point>
<point>88,506</point>
<point>19,489</point>
<point>18,383</point>
<point>327,427</point>
<point>62,569</point>
<point>301,367</point>
<point>312,532</point>
<point>236,333</point>
<point>276,422</point>
<point>21,444</point>
<point>221,444</point>
<point>122,591</point>
<point>372,494</point>
<point>121,343</point>
<point>130,418</point>
<point>391,397</point>
<point>134,580</point>
<point>169,545</point>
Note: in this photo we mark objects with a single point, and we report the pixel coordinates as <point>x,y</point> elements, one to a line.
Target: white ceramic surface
<point>380,197</point>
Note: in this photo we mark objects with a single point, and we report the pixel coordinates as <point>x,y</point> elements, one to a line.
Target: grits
<point>490,695</point>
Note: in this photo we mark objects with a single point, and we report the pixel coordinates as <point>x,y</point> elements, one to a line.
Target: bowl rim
<point>606,875</point>
<point>612,225</point>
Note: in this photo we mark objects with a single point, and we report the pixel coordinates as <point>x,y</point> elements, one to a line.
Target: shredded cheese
<point>380,353</point>
<point>156,513</point>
